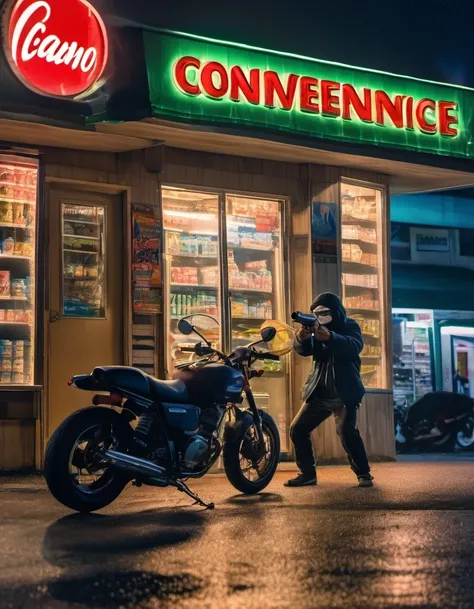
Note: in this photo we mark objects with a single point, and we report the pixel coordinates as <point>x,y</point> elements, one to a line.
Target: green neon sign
<point>211,82</point>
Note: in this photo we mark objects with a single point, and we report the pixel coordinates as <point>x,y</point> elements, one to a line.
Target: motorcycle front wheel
<point>73,472</point>
<point>465,436</point>
<point>248,468</point>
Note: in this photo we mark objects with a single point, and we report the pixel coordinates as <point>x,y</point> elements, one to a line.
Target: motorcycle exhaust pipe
<point>138,467</point>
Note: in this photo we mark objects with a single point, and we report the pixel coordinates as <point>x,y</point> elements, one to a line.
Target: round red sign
<point>57,47</point>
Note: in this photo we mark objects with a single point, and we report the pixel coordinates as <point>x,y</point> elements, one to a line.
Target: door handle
<point>53,317</point>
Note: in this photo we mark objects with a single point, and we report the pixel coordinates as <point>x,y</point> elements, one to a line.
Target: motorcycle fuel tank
<point>215,383</point>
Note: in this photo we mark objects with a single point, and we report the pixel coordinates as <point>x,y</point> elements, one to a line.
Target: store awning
<point>229,98</point>
<point>416,286</point>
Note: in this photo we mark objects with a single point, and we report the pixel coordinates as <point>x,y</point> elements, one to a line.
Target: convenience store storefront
<point>227,180</point>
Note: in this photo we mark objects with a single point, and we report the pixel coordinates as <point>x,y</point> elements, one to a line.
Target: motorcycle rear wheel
<point>246,474</point>
<point>72,447</point>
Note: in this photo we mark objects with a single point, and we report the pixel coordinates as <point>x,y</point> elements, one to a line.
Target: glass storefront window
<point>363,278</point>
<point>18,196</point>
<point>83,234</point>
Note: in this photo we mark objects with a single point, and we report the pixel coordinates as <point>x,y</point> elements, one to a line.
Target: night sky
<point>428,39</point>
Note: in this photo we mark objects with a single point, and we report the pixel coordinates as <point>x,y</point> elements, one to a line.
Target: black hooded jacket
<point>340,354</point>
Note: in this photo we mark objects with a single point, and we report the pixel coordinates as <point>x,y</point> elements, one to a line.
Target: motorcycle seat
<point>133,380</point>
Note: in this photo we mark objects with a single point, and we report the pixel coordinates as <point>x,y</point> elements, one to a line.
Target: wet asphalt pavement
<point>408,543</point>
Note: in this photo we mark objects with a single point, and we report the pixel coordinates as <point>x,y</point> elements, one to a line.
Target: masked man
<point>334,387</point>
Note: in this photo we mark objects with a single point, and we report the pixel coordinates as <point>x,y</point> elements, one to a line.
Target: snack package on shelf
<point>367,235</point>
<point>251,308</point>
<point>364,301</point>
<point>370,327</point>
<point>361,281</point>
<point>209,275</point>
<point>173,244</point>
<point>184,275</point>
<point>350,232</point>
<point>369,259</point>
<point>240,307</point>
<point>359,209</point>
<point>256,265</point>
<point>18,288</point>
<point>371,351</point>
<point>5,283</point>
<point>259,281</point>
<point>364,370</point>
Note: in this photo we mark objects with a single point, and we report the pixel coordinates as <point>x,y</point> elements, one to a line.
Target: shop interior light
<point>189,215</point>
<point>458,330</point>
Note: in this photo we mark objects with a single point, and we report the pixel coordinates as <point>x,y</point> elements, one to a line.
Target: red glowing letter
<point>273,85</point>
<point>421,108</point>
<point>363,109</point>
<point>180,69</point>
<point>384,105</point>
<point>409,101</point>
<point>308,94</point>
<point>250,88</point>
<point>329,101</point>
<point>207,73</point>
<point>446,119</point>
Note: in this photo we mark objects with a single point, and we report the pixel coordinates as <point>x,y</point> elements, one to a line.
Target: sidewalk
<point>32,481</point>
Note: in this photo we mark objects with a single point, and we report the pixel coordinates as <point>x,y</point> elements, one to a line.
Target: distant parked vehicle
<point>439,421</point>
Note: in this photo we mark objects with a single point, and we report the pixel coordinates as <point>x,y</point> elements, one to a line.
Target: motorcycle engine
<point>203,444</point>
<point>196,451</point>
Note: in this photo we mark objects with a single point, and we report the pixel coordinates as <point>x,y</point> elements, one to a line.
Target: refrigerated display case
<point>363,275</point>
<point>256,290</point>
<point>412,366</point>
<point>192,265</point>
<point>18,218</point>
<point>224,258</point>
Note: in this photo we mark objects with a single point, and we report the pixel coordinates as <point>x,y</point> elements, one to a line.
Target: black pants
<point>311,415</point>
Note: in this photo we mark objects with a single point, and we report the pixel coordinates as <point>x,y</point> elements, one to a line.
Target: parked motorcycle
<point>160,433</point>
<point>438,421</point>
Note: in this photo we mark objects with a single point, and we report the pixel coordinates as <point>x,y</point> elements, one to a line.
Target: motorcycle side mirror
<point>268,334</point>
<point>185,327</point>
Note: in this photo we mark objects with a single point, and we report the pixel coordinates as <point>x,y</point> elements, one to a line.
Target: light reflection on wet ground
<point>407,543</point>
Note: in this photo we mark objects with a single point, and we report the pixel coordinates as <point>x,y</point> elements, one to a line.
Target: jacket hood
<point>334,304</point>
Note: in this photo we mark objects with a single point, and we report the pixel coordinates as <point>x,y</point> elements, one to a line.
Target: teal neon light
<point>207,81</point>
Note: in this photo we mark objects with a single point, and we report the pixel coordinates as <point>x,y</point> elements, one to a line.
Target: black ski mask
<point>330,302</point>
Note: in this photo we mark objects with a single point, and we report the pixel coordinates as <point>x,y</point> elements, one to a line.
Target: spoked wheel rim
<point>256,466</point>
<point>465,437</point>
<point>88,472</point>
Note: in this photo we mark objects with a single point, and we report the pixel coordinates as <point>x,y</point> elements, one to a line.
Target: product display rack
<point>412,375</point>
<point>18,217</point>
<point>363,275</point>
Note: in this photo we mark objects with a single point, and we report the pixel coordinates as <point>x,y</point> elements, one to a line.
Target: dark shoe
<point>303,480</point>
<point>366,480</point>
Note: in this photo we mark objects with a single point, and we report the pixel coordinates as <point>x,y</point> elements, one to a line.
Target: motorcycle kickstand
<point>184,488</point>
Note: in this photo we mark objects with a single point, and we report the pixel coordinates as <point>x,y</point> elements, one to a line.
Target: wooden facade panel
<point>375,422</point>
<point>17,445</point>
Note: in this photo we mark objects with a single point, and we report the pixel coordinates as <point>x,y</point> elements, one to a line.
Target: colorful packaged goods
<point>18,288</point>
<point>8,246</point>
<point>209,276</point>
<point>5,284</point>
